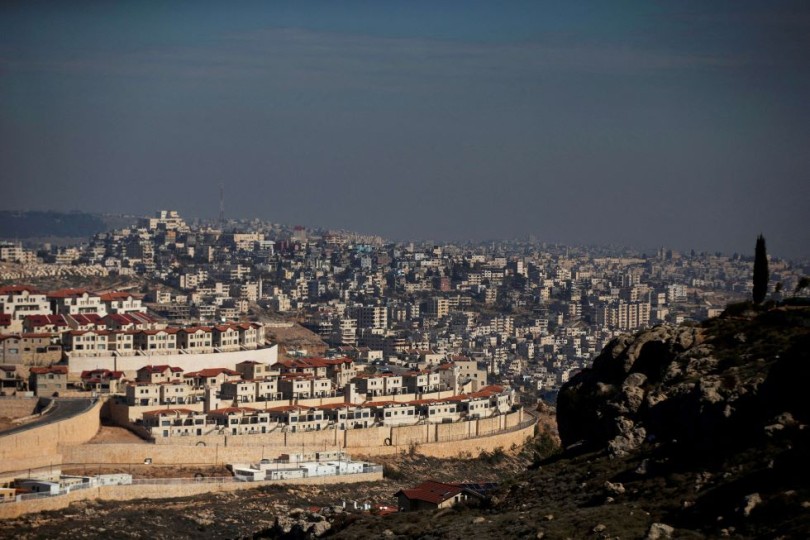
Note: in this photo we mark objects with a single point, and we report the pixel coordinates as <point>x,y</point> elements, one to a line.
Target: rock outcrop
<point>719,384</point>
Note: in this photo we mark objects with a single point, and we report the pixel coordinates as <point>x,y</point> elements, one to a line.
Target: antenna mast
<point>221,206</point>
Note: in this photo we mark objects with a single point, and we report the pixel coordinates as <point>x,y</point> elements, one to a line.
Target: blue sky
<point>633,123</point>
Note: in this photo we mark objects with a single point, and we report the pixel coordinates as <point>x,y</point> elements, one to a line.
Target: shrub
<point>496,456</point>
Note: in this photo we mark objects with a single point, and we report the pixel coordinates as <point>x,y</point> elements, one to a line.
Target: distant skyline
<point>639,124</point>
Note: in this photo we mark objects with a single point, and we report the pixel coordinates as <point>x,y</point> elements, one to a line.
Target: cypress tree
<point>761,276</point>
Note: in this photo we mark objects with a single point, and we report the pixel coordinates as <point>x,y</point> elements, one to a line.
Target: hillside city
<point>520,314</point>
<point>259,364</point>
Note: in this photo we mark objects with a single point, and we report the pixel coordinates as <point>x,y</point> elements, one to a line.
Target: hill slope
<point>682,432</point>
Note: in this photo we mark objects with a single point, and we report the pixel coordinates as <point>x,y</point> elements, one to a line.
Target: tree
<point>761,276</point>
<point>804,283</point>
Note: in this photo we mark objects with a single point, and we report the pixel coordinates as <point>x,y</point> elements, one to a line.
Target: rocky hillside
<point>676,432</point>
<point>733,382</point>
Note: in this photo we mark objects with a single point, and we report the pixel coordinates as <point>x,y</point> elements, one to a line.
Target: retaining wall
<point>439,440</point>
<point>17,407</point>
<point>45,440</point>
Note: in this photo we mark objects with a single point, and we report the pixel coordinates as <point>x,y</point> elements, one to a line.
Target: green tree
<point>761,276</point>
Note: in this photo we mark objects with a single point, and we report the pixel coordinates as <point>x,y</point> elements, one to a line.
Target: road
<point>63,408</point>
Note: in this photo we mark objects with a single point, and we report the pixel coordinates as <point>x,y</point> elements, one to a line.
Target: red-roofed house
<point>156,341</point>
<point>430,495</point>
<point>86,342</point>
<point>238,391</point>
<point>174,422</point>
<point>88,321</point>
<point>315,367</point>
<point>298,418</point>
<point>102,380</point>
<point>131,321</point>
<point>48,381</point>
<point>159,374</point>
<point>251,335</point>
<point>211,377</point>
<point>392,413</point>
<point>348,415</point>
<point>45,323</point>
<point>76,302</point>
<point>226,338</point>
<point>122,302</point>
<point>304,386</point>
<point>241,420</point>
<point>18,301</point>
<point>198,339</point>
<point>252,370</point>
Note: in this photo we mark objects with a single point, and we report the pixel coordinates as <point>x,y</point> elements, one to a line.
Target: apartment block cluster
<point>40,328</point>
<point>302,394</point>
<point>526,312</point>
<point>185,422</point>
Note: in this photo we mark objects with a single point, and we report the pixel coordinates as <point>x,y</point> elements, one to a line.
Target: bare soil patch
<point>115,435</point>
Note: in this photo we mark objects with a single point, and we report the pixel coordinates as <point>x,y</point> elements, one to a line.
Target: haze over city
<point>683,125</point>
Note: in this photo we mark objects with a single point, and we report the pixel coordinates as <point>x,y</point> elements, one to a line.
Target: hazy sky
<point>685,124</point>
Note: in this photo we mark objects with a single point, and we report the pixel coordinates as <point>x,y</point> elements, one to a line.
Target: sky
<point>680,124</point>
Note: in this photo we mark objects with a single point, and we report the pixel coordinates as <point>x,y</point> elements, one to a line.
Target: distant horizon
<point>590,122</point>
<point>649,251</point>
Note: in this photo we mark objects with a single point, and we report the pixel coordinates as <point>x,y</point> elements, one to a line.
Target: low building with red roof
<point>431,495</point>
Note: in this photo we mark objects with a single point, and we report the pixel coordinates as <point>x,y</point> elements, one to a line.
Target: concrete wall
<point>441,440</point>
<point>17,407</point>
<point>188,362</point>
<point>164,491</point>
<point>40,446</point>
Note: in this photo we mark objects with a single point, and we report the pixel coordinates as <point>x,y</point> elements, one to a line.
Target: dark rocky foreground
<point>688,432</point>
<point>252,512</point>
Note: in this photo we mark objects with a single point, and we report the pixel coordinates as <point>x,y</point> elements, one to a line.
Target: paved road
<point>63,408</point>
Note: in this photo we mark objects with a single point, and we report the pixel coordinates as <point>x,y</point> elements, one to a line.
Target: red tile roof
<point>59,370</point>
<point>45,320</point>
<point>118,295</point>
<point>432,492</point>
<point>212,372</point>
<point>161,368</point>
<point>68,293</point>
<point>13,289</point>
